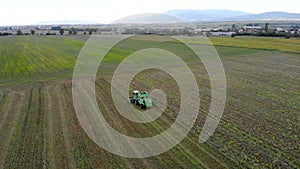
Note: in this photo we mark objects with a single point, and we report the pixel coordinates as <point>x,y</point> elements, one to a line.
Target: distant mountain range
<point>207,15</point>
<point>149,18</point>
<point>215,15</point>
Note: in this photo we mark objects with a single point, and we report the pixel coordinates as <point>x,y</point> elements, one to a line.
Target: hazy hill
<point>269,16</point>
<point>228,15</point>
<point>206,15</point>
<point>211,15</point>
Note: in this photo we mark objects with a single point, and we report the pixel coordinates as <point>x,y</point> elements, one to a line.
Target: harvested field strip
<point>180,148</point>
<point>235,144</point>
<point>39,139</point>
<point>165,121</point>
<point>65,132</point>
<point>78,138</point>
<point>59,150</point>
<point>29,155</point>
<point>24,129</point>
<point>13,155</point>
<point>2,100</point>
<point>114,160</point>
<point>49,149</point>
<point>114,118</point>
<point>8,126</point>
<point>117,122</point>
<point>6,109</point>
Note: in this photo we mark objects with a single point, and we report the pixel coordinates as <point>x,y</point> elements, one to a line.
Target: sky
<point>24,12</point>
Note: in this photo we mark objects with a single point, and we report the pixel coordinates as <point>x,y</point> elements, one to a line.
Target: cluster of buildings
<point>247,29</point>
<point>251,29</point>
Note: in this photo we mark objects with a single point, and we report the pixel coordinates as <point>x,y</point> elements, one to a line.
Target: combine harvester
<point>141,99</point>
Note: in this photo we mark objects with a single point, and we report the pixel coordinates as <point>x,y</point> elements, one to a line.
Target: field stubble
<point>39,128</point>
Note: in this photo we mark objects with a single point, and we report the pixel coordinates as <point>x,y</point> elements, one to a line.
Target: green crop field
<point>259,128</point>
<point>290,45</point>
<point>28,59</point>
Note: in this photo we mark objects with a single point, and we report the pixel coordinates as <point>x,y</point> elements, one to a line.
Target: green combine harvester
<point>141,99</point>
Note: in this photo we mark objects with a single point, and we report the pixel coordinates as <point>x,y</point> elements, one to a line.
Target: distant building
<point>252,27</point>
<point>222,33</point>
<point>55,28</point>
<point>281,30</point>
<point>239,30</point>
<point>203,30</point>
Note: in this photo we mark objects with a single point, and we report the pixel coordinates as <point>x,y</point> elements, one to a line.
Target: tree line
<point>61,31</point>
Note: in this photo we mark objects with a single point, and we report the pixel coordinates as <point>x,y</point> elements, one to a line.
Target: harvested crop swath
<point>8,123</point>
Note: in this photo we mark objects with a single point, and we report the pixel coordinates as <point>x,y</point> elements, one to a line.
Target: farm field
<point>259,128</point>
<point>265,43</point>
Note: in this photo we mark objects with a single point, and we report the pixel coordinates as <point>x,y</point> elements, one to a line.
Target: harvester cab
<point>141,99</point>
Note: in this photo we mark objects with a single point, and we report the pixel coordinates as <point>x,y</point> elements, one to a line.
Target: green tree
<point>61,31</point>
<point>32,32</point>
<point>233,26</point>
<point>19,32</point>
<point>90,31</point>
<point>267,27</point>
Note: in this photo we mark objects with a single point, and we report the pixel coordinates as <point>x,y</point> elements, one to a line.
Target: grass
<point>259,127</point>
